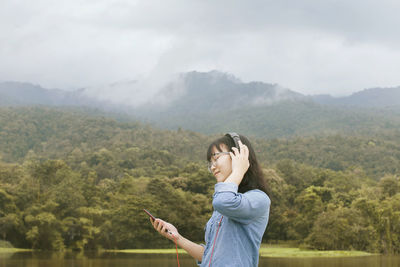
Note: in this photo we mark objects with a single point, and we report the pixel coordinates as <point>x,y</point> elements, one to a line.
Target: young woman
<point>241,208</point>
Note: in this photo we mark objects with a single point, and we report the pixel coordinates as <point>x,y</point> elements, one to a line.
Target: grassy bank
<point>12,250</point>
<point>281,252</point>
<point>267,251</point>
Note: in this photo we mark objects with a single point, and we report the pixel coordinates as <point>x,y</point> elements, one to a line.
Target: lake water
<point>49,259</point>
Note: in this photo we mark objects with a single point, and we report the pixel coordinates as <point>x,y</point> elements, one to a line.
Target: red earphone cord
<point>176,247</point>
<point>212,252</point>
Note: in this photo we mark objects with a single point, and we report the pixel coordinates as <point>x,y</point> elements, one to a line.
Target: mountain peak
<point>212,76</point>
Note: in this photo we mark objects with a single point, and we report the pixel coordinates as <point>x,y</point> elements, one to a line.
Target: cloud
<point>309,46</point>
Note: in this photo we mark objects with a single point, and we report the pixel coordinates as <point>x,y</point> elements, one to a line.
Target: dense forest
<point>71,179</point>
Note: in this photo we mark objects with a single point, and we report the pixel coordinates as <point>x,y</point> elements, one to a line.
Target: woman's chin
<point>220,178</point>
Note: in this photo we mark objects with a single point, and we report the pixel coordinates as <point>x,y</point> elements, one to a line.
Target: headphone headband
<point>235,137</point>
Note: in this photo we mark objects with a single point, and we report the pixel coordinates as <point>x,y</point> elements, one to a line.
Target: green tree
<point>342,228</point>
<point>44,231</point>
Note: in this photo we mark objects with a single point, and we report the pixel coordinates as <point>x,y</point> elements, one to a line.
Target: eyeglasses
<point>215,156</point>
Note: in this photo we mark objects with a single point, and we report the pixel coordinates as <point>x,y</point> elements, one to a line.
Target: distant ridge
<point>21,94</point>
<point>26,94</point>
<point>373,97</point>
<point>200,91</point>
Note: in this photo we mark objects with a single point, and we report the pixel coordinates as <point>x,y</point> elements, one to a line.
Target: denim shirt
<point>244,220</point>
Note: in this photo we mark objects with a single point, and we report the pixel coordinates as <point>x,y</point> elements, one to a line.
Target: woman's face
<point>222,163</point>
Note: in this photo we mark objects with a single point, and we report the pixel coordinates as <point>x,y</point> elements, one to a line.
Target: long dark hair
<point>254,177</point>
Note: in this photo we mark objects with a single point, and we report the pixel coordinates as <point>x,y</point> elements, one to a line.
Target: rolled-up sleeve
<point>237,206</point>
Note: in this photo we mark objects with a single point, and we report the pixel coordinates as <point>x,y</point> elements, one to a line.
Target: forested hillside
<point>50,133</point>
<point>285,120</point>
<point>73,179</point>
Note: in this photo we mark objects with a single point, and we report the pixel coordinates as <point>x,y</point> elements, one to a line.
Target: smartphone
<point>154,218</point>
<point>151,215</point>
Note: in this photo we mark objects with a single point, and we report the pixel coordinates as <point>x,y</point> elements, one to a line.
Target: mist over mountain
<point>212,102</point>
<point>193,91</point>
<point>214,91</point>
<point>198,90</point>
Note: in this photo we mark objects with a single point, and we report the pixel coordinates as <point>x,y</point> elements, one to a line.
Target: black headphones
<point>235,137</point>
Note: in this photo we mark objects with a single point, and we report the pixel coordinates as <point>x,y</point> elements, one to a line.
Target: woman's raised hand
<point>165,229</point>
<point>240,159</point>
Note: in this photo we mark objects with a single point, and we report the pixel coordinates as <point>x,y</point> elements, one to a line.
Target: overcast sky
<point>312,47</point>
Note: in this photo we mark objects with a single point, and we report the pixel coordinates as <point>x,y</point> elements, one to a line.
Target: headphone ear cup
<point>236,138</point>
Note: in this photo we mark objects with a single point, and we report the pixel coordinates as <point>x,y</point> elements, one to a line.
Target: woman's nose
<point>213,165</point>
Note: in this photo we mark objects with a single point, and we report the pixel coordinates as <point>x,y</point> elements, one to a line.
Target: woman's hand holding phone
<point>169,231</point>
<point>165,229</point>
